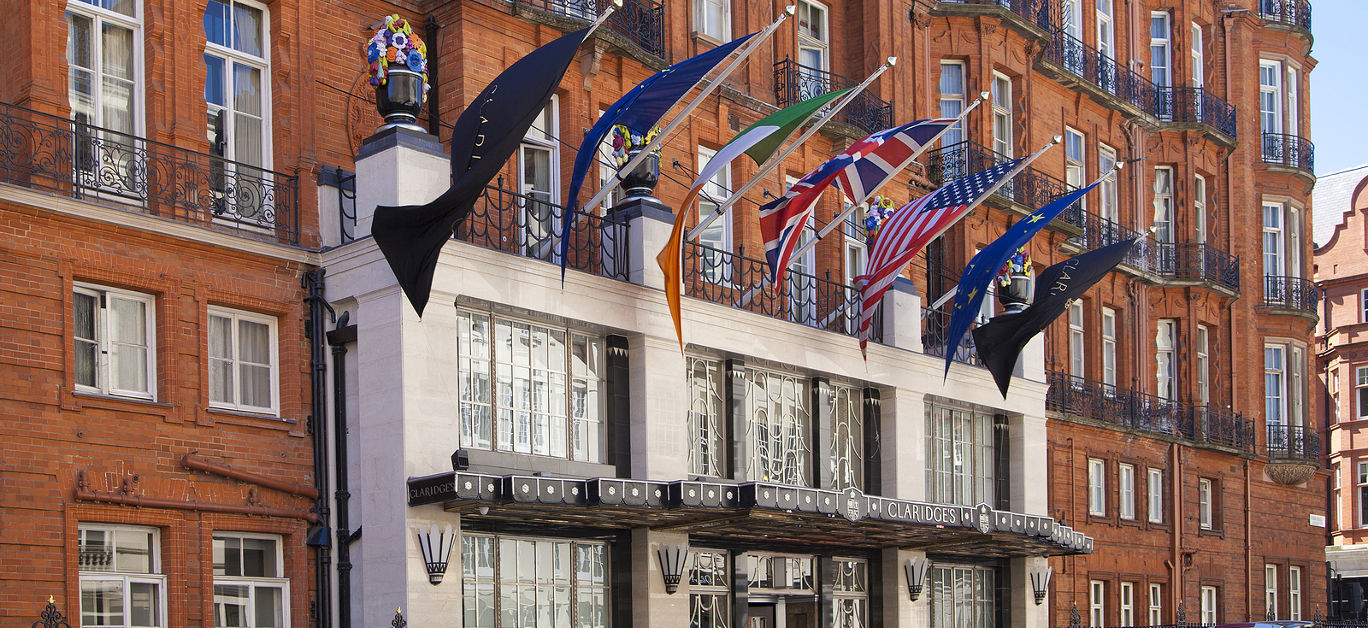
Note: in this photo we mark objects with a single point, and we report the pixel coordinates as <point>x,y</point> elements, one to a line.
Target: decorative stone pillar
<point>398,166</point>
<point>902,316</point>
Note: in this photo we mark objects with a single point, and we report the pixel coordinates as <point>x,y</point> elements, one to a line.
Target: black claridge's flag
<point>1000,341</point>
<point>485,136</point>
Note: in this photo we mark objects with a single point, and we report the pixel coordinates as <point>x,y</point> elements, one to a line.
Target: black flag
<point>1000,341</point>
<point>485,136</point>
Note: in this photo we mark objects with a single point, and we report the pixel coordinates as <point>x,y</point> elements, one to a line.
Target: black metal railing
<point>1289,150</point>
<point>1102,71</point>
<point>794,82</point>
<point>1099,232</point>
<point>1294,442</point>
<point>1195,104</point>
<point>47,152</point>
<point>1202,262</point>
<point>730,279</point>
<point>1136,410</point>
<point>1038,12</point>
<point>1290,12</point>
<point>935,331</point>
<point>523,224</point>
<point>641,21</point>
<point>1290,293</point>
<point>1030,187</point>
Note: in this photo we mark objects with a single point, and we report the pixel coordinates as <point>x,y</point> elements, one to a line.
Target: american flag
<point>886,153</point>
<point>912,226</point>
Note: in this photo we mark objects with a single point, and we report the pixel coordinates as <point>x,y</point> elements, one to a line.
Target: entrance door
<point>800,614</point>
<point>761,616</point>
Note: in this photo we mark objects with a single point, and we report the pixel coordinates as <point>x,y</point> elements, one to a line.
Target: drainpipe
<point>1249,545</point>
<point>1176,507</point>
<point>313,282</point>
<point>338,339</point>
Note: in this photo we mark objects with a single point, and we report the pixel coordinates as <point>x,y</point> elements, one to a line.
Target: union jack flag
<point>915,224</point>
<point>885,154</point>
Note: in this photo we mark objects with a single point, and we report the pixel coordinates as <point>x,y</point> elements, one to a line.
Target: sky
<point>1339,84</point>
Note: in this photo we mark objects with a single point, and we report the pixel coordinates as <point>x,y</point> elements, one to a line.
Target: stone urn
<point>1015,296</point>
<point>400,98</point>
<point>641,181</point>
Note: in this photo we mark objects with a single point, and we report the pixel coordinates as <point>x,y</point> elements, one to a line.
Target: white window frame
<point>1097,487</point>
<point>1293,117</point>
<point>718,235</point>
<point>104,344</point>
<point>1161,49</point>
<point>236,318</point>
<point>99,15</point>
<point>1362,494</point>
<point>1294,593</point>
<point>1296,385</point>
<point>1127,604</point>
<point>1270,96</point>
<point>719,9</point>
<point>1209,604</point>
<point>1109,346</point>
<point>492,581</point>
<point>156,576</point>
<point>1108,192</point>
<point>1198,58</point>
<point>1156,604</point>
<point>1205,504</point>
<point>1199,208</point>
<point>818,42</point>
<point>1097,603</point>
<point>539,230</point>
<point>1163,204</point>
<point>254,582</point>
<point>1075,158</point>
<point>1126,496</point>
<point>855,254</point>
<point>1165,359</point>
<point>1271,589</point>
<point>1275,385</point>
<point>1155,496</point>
<point>1106,34</point>
<point>1203,365</point>
<point>1077,340</point>
<point>1002,115</point>
<point>1273,222</point>
<point>1363,305</point>
<point>951,102</point>
<point>1361,392</point>
<point>607,170</point>
<point>262,63</point>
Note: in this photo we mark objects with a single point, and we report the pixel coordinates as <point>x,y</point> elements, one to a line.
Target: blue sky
<point>1339,84</point>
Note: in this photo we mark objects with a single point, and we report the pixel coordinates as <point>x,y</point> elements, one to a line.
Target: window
<point>1271,590</point>
<point>1107,190</point>
<point>1208,605</point>
<point>538,182</point>
<point>709,589</point>
<point>1273,251</point>
<point>717,236</point>
<point>1072,18</point>
<point>545,388</point>
<point>1363,494</point>
<point>527,582</point>
<point>1108,346</point>
<point>1206,507</point>
<point>1156,604</point>
<point>801,281</point>
<point>1126,478</point>
<point>237,88</point>
<point>846,457</point>
<point>813,47</point>
<point>1163,204</point>
<point>779,421</point>
<point>712,18</point>
<point>1161,56</point>
<point>1127,603</point>
<point>1203,366</point>
<point>1270,96</point>
<point>250,590</point>
<point>961,469</point>
<point>1106,34</point>
<point>1361,391</point>
<point>1199,207</point>
<point>1275,408</point>
<point>1296,387</point>
<point>1294,585</point>
<point>856,254</point>
<point>963,596</point>
<point>952,103</point>
<point>707,418</point>
<point>1073,162</point>
<point>850,583</point>
<point>104,76</point>
<point>1156,495</point>
<point>1097,603</point>
<point>1198,65</point>
<point>1097,488</point>
<point>1333,378</point>
<point>1002,115</point>
<point>1076,340</point>
<point>114,340</point>
<point>242,361</point>
<point>1165,341</point>
<point>121,578</point>
<point>607,167</point>
<point>1363,305</point>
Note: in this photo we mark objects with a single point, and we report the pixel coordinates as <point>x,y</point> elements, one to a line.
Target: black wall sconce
<point>916,576</point>
<point>436,545</point>
<point>1040,583</point>
<point>672,560</point>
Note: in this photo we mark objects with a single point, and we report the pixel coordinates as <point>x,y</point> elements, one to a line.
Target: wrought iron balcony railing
<point>1196,105</point>
<point>1294,442</point>
<point>794,82</point>
<point>1290,12</point>
<point>1290,293</point>
<point>1030,187</point>
<point>1039,12</point>
<point>526,225</point>
<point>1202,262</point>
<point>1102,71</point>
<point>1289,150</point>
<point>641,21</point>
<point>47,152</point>
<point>1135,410</point>
<point>935,327</point>
<point>726,278</point>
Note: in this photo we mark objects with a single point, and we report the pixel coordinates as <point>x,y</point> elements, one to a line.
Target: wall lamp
<point>916,576</point>
<point>672,559</point>
<point>1040,583</point>
<point>436,545</point>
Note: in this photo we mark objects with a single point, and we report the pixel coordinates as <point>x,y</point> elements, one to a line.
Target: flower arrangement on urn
<point>398,71</point>
<point>1014,281</point>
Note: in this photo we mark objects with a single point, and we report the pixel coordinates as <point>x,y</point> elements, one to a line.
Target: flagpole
<point>679,118</point>
<point>775,161</point>
<point>836,222</point>
<point>616,4</point>
<point>951,293</point>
